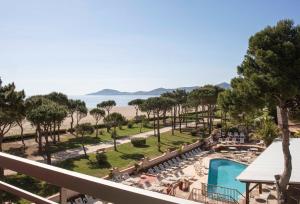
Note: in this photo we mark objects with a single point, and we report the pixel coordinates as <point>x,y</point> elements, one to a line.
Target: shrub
<point>101,158</point>
<point>194,132</point>
<point>138,141</point>
<point>233,129</point>
<point>130,124</point>
<point>219,125</point>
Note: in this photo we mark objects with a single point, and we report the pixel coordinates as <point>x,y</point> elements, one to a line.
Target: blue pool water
<point>222,172</point>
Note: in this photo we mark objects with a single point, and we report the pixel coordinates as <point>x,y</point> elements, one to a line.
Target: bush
<point>233,129</point>
<point>13,138</point>
<point>101,158</point>
<point>194,132</point>
<point>138,141</point>
<point>130,124</point>
<point>219,125</point>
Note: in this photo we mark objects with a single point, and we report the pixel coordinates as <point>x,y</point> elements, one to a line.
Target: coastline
<point>127,111</point>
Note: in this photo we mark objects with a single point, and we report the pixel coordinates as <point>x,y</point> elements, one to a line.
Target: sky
<point>82,46</point>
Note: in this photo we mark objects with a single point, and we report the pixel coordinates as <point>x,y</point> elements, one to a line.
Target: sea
<point>91,101</point>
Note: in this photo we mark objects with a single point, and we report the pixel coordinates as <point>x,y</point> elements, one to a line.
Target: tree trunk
<point>282,180</point>
<point>209,119</point>
<point>40,142</point>
<point>22,133</point>
<point>36,136</point>
<point>179,115</point>
<point>164,118</point>
<point>158,132</point>
<point>97,130</point>
<point>58,133</point>
<point>172,120</point>
<point>175,117</point>
<point>114,138</point>
<point>83,147</point>
<point>47,149</point>
<point>1,169</point>
<point>53,133</point>
<point>154,127</point>
<point>185,119</point>
<point>196,110</point>
<point>72,122</point>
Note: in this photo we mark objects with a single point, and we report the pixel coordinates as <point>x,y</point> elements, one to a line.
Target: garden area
<point>127,155</point>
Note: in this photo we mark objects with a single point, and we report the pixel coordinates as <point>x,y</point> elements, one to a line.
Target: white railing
<point>99,188</point>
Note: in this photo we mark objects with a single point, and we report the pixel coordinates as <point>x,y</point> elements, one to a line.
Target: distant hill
<point>224,85</point>
<point>157,91</point>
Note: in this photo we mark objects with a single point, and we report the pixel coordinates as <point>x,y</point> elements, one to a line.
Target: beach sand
<point>127,111</point>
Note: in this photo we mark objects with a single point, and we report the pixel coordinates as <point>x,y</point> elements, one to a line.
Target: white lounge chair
<point>157,170</point>
<point>125,176</point>
<point>150,171</point>
<point>263,197</point>
<point>78,201</point>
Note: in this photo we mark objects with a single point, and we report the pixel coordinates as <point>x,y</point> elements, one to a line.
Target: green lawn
<point>74,142</point>
<point>127,154</point>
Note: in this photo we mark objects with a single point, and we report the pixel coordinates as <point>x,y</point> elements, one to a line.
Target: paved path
<point>72,153</point>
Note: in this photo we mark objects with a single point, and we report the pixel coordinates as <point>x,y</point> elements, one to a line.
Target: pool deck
<point>197,173</point>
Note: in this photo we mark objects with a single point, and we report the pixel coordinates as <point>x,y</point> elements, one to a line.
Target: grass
<point>127,154</point>
<point>75,142</point>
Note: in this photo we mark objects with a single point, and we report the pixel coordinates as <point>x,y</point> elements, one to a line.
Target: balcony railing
<point>99,188</point>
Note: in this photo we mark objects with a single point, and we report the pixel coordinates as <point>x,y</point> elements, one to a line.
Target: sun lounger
<point>150,171</point>
<point>125,176</point>
<point>263,197</point>
<point>162,168</point>
<point>78,201</point>
<point>89,199</point>
<point>157,170</point>
<point>175,161</point>
<point>117,178</point>
<point>178,159</point>
<point>172,164</point>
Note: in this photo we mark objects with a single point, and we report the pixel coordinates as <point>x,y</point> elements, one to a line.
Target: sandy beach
<point>127,111</point>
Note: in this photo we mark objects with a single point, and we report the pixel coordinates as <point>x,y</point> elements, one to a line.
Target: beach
<point>127,111</point>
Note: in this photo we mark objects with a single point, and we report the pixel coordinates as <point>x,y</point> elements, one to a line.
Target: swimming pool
<point>222,172</point>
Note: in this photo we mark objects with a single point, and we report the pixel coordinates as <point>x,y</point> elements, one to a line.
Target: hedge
<point>138,141</point>
<point>13,138</point>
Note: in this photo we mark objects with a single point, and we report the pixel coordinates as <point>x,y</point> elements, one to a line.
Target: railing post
<point>63,195</point>
<point>247,193</point>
